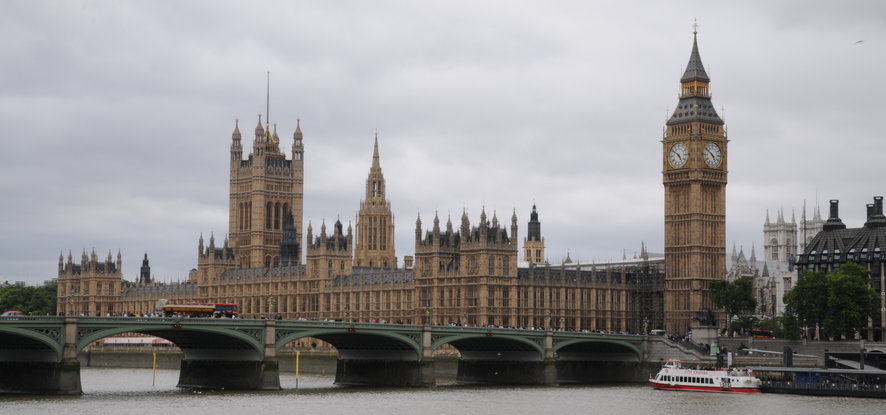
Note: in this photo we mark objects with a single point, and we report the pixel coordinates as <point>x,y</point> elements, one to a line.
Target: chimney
<point>875,214</point>
<point>834,221</point>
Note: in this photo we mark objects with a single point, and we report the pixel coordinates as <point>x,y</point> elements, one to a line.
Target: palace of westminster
<point>464,273</point>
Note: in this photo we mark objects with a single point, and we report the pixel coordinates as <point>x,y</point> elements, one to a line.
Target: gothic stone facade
<point>91,288</point>
<point>467,275</point>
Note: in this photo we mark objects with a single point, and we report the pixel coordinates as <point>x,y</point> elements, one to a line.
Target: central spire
<point>695,94</point>
<point>376,164</point>
<point>375,182</point>
<point>695,69</point>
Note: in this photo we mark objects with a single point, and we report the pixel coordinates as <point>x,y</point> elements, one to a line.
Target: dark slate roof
<point>695,70</point>
<point>831,241</point>
<point>373,276</point>
<point>285,272</point>
<point>870,239</point>
<point>860,245</point>
<point>695,109</point>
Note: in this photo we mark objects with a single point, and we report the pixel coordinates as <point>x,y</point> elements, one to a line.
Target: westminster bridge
<point>39,354</point>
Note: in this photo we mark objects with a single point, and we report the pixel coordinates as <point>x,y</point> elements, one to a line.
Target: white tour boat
<point>673,376</point>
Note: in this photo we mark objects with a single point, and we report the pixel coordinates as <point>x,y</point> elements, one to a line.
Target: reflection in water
<point>129,391</point>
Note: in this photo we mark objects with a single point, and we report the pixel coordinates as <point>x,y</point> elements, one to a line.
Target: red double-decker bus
<point>220,309</point>
<point>196,309</point>
<point>760,334</point>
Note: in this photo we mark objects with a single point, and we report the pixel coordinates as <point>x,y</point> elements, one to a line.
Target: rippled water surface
<point>129,391</point>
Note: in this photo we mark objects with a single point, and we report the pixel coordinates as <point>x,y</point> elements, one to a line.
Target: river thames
<point>129,391</point>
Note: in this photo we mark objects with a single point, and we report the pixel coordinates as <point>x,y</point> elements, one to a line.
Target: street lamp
<point>427,315</point>
<point>271,303</point>
<point>72,298</point>
<point>645,325</point>
<point>347,311</point>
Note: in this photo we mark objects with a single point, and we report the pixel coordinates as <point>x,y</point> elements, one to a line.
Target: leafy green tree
<point>850,300</point>
<point>35,300</point>
<point>808,300</point>
<point>789,326</point>
<point>736,298</point>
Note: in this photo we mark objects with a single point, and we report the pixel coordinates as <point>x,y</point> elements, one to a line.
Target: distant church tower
<point>375,222</point>
<point>779,238</point>
<point>534,243</point>
<point>265,189</point>
<point>694,159</point>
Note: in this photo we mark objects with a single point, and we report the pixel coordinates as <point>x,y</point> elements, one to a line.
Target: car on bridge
<point>12,313</point>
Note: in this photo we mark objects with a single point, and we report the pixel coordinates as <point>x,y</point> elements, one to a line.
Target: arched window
<point>277,215</point>
<point>268,212</point>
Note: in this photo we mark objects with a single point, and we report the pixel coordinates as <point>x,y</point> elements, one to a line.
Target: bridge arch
<point>348,340</point>
<point>605,348</point>
<point>188,337</point>
<point>484,343</point>
<point>44,344</point>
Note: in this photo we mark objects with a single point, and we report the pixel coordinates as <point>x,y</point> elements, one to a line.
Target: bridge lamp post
<point>548,320</point>
<point>427,311</point>
<point>72,298</point>
<point>562,323</point>
<point>347,311</point>
<point>271,303</point>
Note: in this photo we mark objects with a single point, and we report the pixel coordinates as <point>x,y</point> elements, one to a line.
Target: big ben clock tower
<point>694,177</point>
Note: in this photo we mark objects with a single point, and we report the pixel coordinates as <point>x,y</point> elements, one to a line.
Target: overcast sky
<point>116,117</point>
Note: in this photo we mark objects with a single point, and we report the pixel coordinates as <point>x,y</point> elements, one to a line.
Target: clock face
<point>678,155</point>
<point>712,155</point>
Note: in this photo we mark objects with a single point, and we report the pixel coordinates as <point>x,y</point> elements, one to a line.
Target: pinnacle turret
<point>297,135</point>
<point>236,134</point>
<point>259,130</point>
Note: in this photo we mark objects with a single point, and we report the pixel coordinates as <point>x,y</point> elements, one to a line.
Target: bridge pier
<point>211,369</point>
<point>68,370</point>
<point>40,371</point>
<point>387,368</point>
